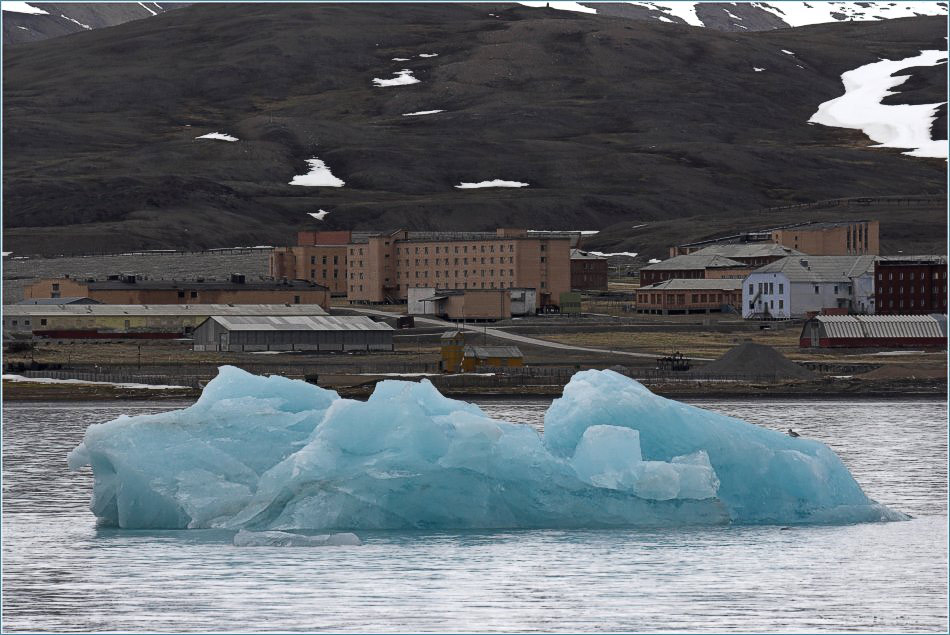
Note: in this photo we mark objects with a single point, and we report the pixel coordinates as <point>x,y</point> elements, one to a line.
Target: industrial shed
<point>875,331</point>
<point>292,333</point>
<point>130,321</point>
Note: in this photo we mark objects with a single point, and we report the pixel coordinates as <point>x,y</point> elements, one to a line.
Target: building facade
<point>318,257</point>
<point>690,296</point>
<point>816,238</point>
<point>694,266</point>
<point>911,285</point>
<point>460,304</point>
<point>795,286</point>
<point>137,290</point>
<point>382,267</point>
<point>588,272</point>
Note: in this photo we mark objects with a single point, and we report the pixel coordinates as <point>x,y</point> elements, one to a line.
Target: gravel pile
<point>750,360</point>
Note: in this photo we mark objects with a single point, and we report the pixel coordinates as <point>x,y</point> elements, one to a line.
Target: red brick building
<point>588,271</point>
<point>910,285</point>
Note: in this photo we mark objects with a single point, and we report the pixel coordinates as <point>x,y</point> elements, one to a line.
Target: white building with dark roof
<point>794,286</point>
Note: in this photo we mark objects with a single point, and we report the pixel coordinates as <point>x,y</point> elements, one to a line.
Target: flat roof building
<point>588,272</point>
<point>128,289</point>
<point>381,267</point>
<point>908,285</point>
<point>816,238</point>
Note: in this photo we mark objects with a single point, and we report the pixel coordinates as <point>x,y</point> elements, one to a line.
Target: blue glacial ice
<point>270,453</point>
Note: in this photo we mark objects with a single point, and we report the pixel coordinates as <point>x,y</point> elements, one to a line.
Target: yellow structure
<point>478,357</point>
<point>453,350</point>
<point>459,358</point>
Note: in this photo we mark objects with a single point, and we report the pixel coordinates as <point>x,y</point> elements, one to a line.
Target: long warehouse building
<point>293,333</point>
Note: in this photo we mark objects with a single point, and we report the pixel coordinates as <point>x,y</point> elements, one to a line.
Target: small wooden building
<point>479,357</point>
<point>457,357</point>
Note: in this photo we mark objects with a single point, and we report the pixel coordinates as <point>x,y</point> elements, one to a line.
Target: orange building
<point>849,238</point>
<point>135,290</point>
<point>381,267</point>
<point>701,295</point>
<point>318,257</point>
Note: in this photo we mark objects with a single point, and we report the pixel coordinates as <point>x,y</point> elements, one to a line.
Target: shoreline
<point>825,390</point>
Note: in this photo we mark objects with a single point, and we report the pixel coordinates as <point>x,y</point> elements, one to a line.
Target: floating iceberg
<point>270,453</point>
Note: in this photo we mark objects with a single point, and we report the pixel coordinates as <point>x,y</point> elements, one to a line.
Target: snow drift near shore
<point>891,126</point>
<point>270,453</point>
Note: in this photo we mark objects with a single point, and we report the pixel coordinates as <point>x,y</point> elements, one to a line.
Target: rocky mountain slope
<point>25,22</point>
<point>610,123</point>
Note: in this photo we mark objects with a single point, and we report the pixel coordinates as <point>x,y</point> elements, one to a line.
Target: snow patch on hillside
<point>319,215</point>
<point>630,254</point>
<point>897,126</point>
<point>428,54</point>
<point>142,4</point>
<point>21,7</point>
<point>77,22</point>
<point>758,69</point>
<point>318,176</point>
<point>493,183</point>
<point>804,13</point>
<point>421,112</point>
<point>561,6</point>
<point>400,59</point>
<point>402,78</point>
<point>218,136</point>
<point>792,13</point>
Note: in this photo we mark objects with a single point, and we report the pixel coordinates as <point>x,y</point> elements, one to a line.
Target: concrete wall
<point>846,240</point>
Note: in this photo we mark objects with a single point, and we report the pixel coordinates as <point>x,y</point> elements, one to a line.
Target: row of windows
<point>934,303</point>
<point>336,274</point>
<point>900,290</point>
<point>313,259</point>
<point>458,285</point>
<point>424,262</point>
<point>25,322</point>
<point>445,250</point>
<point>923,275</point>
<point>768,288</point>
<point>657,298</point>
<point>771,304</point>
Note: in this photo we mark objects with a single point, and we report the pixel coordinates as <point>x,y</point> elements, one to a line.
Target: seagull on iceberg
<point>792,433</point>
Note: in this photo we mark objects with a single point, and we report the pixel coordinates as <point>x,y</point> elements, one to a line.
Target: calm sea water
<point>62,573</point>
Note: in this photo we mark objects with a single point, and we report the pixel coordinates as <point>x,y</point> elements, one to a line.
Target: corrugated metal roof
<point>679,284</point>
<point>820,268</point>
<point>695,261</point>
<point>747,250</point>
<point>485,352</point>
<point>299,323</point>
<point>880,326</point>
<point>105,310</point>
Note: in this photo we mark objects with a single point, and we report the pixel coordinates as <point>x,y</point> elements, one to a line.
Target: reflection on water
<point>62,573</point>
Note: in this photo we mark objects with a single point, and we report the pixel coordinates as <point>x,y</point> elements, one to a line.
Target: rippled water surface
<point>61,573</point>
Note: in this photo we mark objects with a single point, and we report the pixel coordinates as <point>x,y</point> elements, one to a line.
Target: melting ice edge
<point>271,453</point>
